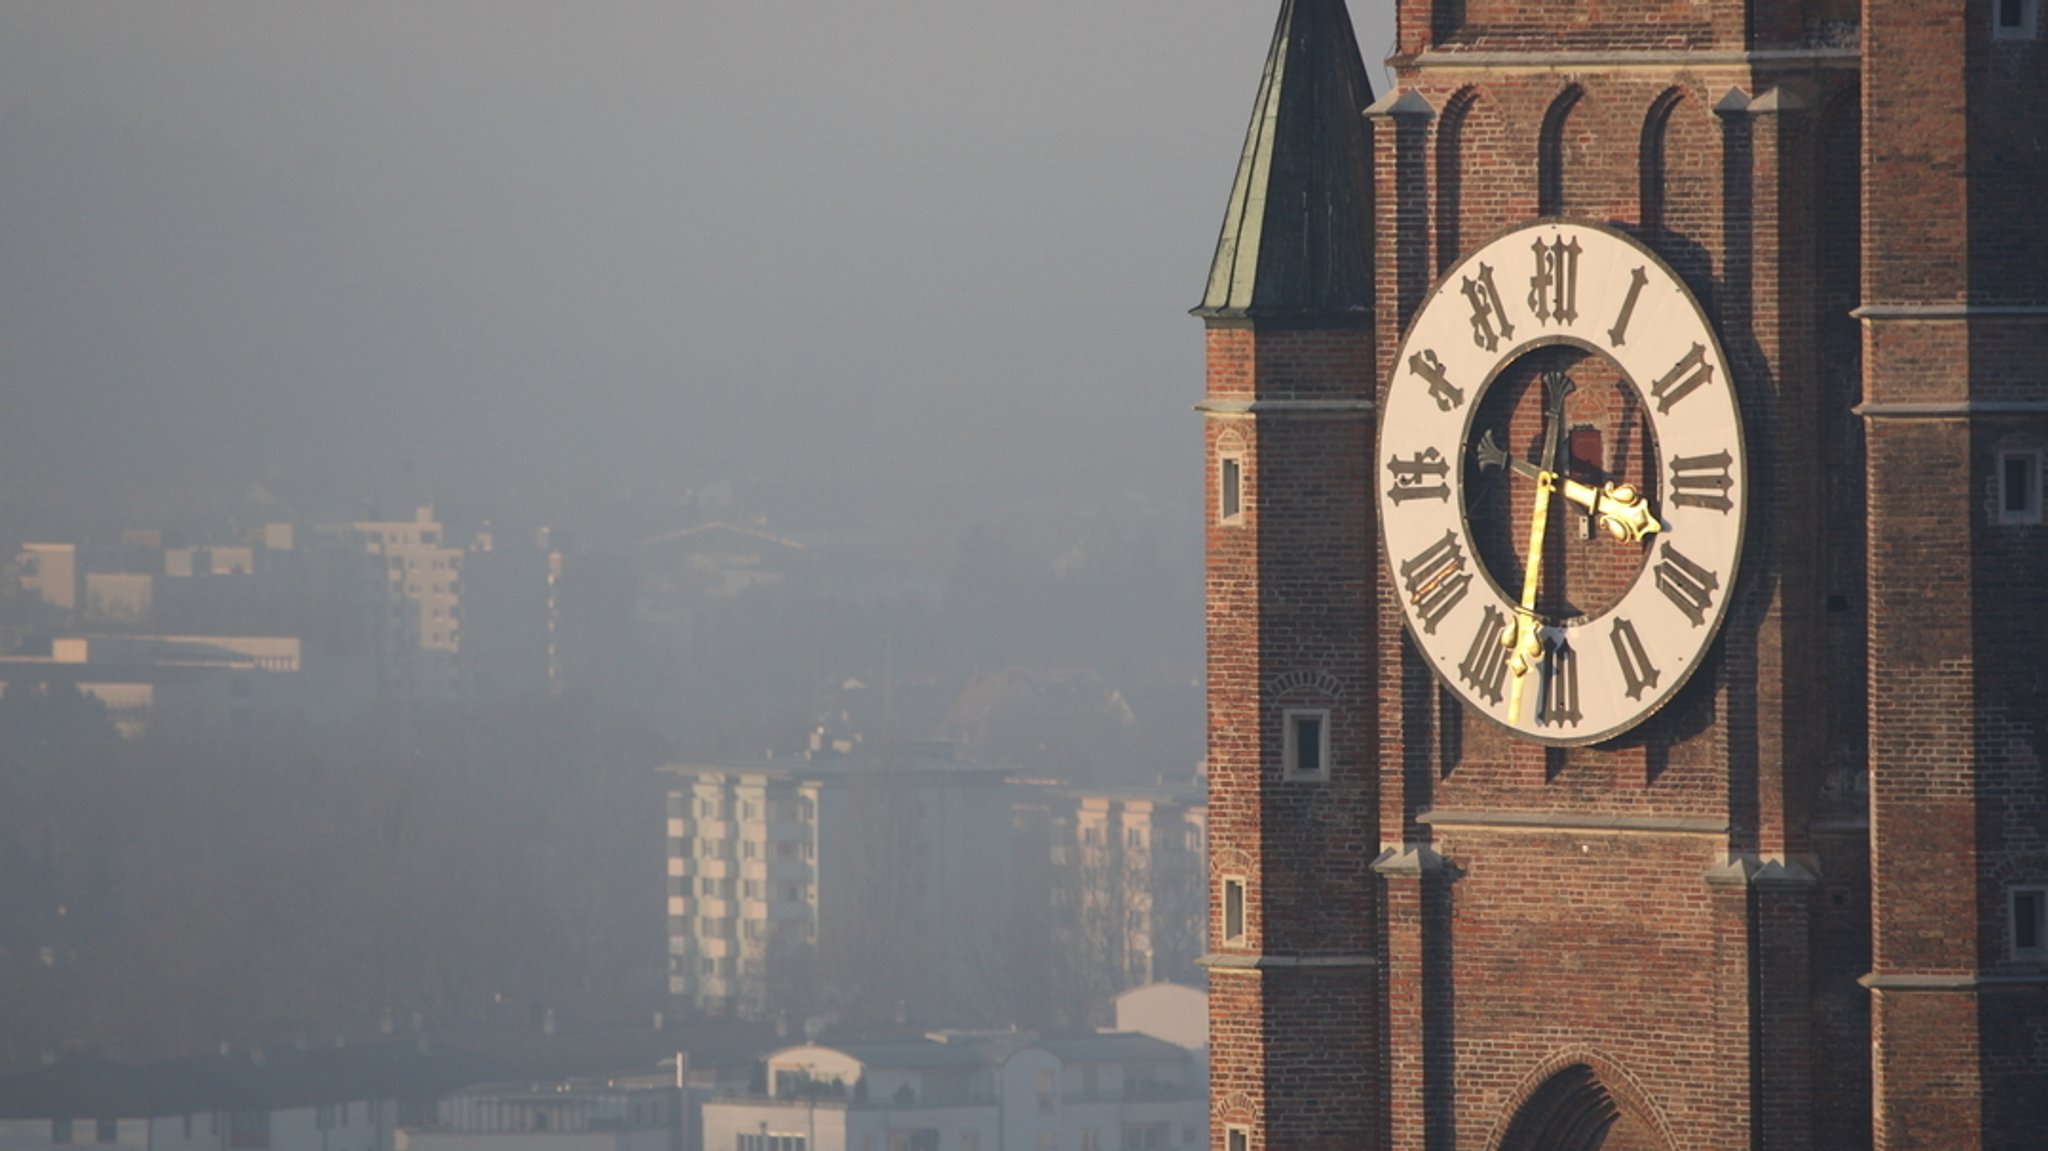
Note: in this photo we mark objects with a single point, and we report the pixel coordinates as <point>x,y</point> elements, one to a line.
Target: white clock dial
<point>1562,482</point>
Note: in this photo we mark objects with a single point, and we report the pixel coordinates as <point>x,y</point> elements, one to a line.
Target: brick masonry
<point>1776,914</point>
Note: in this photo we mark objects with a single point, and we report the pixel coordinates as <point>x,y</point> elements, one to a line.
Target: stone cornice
<point>1323,408</point>
<point>1571,821</point>
<point>1962,981</point>
<point>1660,59</point>
<point>1258,961</point>
<point>1947,409</point>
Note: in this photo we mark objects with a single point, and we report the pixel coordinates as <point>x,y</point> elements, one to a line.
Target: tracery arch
<point>1580,1101</point>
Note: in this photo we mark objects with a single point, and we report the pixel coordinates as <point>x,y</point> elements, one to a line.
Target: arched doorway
<point>1574,1111</point>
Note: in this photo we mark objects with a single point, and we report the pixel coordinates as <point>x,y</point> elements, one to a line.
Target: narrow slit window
<point>1233,911</point>
<point>2030,923</point>
<point>2016,19</point>
<point>1307,744</point>
<point>2019,487</point>
<point>1237,1139</point>
<point>1230,489</point>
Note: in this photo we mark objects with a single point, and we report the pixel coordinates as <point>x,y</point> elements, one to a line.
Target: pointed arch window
<point>1550,153</point>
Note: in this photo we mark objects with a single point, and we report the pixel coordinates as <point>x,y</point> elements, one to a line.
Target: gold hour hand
<point>1619,508</point>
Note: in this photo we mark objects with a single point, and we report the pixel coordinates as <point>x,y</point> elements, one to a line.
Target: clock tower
<point>1628,587</point>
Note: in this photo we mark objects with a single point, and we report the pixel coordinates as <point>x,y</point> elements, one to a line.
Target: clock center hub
<point>1604,438</point>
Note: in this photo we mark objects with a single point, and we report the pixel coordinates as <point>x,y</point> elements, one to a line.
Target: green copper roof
<point>1295,238</point>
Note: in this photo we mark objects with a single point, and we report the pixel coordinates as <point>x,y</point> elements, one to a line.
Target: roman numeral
<point>1561,686</point>
<point>1422,476</point>
<point>1425,364</point>
<point>1436,580</point>
<point>1486,661</point>
<point>1636,280</point>
<point>1703,481</point>
<point>1691,370</point>
<point>1686,584</point>
<point>1636,670</point>
<point>1554,289</point>
<point>1490,323</point>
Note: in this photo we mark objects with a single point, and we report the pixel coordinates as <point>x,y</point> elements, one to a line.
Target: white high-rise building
<point>800,884</point>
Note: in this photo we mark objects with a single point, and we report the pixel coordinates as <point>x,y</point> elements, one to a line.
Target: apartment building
<point>970,1091</point>
<point>838,877</point>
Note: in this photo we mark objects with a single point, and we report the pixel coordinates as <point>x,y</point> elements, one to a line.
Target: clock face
<point>1561,482</point>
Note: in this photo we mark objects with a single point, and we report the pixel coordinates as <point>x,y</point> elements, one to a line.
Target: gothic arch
<point>1551,157</point>
<point>1450,149</point>
<point>1576,1101</point>
<point>1650,178</point>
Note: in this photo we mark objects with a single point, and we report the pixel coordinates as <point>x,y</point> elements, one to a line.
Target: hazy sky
<point>511,250</point>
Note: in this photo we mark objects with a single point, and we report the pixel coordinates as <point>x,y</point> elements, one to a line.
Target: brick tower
<point>1779,877</point>
<point>1294,986</point>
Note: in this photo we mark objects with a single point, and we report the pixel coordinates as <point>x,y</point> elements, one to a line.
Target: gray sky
<point>511,250</point>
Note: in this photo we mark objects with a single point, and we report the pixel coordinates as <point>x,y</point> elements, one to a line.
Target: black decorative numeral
<point>1686,584</point>
<point>1691,371</point>
<point>1486,662</point>
<point>1554,289</point>
<point>1436,580</point>
<point>1561,686</point>
<point>1703,481</point>
<point>1490,324</point>
<point>1616,334</point>
<point>1425,364</point>
<point>1636,669</point>
<point>1423,476</point>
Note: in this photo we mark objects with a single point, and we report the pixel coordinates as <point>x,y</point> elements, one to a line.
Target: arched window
<point>1450,146</point>
<point>1550,152</point>
<point>1650,200</point>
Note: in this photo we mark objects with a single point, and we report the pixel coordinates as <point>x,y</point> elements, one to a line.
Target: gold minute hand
<point>1526,645</point>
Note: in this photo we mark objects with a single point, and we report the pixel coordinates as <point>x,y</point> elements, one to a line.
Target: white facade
<point>565,1117</point>
<point>835,864</point>
<point>1002,1091</point>
<point>359,1125</point>
<point>410,590</point>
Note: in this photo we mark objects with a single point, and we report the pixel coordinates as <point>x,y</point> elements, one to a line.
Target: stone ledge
<point>1970,982</point>
<point>1325,408</point>
<point>1254,961</point>
<point>1409,860</point>
<point>1661,59</point>
<point>1948,409</point>
<point>1568,821</point>
<point>1949,311</point>
<point>1749,871</point>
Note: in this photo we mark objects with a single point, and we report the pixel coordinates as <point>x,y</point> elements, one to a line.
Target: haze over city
<point>440,440</point>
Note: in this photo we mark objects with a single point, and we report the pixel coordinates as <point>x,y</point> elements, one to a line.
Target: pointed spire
<point>1295,239</point>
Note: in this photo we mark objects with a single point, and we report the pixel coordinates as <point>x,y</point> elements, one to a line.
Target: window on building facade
<point>1306,743</point>
<point>2029,921</point>
<point>2016,19</point>
<point>1230,489</point>
<point>1048,1092</point>
<point>1236,1139</point>
<point>1233,911</point>
<point>2019,487</point>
